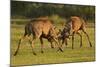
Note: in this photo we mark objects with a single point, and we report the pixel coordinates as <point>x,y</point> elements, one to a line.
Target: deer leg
<point>59,46</point>
<point>32,45</point>
<point>62,42</point>
<point>42,45</point>
<point>73,40</point>
<point>80,39</point>
<point>20,40</point>
<point>66,42</point>
<point>18,47</point>
<point>31,41</point>
<point>87,37</point>
<point>51,44</point>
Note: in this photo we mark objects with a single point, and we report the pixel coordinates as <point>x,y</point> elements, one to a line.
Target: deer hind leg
<point>20,41</point>
<point>31,41</point>
<point>73,40</point>
<point>52,46</point>
<point>80,39</point>
<point>87,37</point>
<point>42,45</point>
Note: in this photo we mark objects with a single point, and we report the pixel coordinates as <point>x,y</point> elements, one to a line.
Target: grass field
<point>25,56</point>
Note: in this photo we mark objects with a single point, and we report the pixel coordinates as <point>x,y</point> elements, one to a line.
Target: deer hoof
<point>52,47</point>
<point>61,50</point>
<point>34,54</point>
<point>90,45</point>
<point>42,52</point>
<point>72,48</point>
<point>80,46</point>
<point>15,53</point>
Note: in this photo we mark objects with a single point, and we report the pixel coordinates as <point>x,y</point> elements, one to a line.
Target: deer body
<point>39,28</point>
<point>73,26</point>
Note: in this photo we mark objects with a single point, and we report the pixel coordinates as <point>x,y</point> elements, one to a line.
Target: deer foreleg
<point>66,42</point>
<point>59,46</point>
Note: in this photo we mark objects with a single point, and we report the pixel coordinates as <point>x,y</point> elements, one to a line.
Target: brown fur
<point>78,24</point>
<point>39,28</point>
<point>73,26</point>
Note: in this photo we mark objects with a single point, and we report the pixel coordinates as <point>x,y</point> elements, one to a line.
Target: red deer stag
<point>39,28</point>
<point>73,25</point>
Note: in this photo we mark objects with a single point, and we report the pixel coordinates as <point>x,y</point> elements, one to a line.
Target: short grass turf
<point>51,56</point>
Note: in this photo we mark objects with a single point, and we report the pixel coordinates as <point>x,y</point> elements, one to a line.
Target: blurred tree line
<point>20,9</point>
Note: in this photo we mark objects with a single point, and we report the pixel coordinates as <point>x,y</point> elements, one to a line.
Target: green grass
<point>25,56</point>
